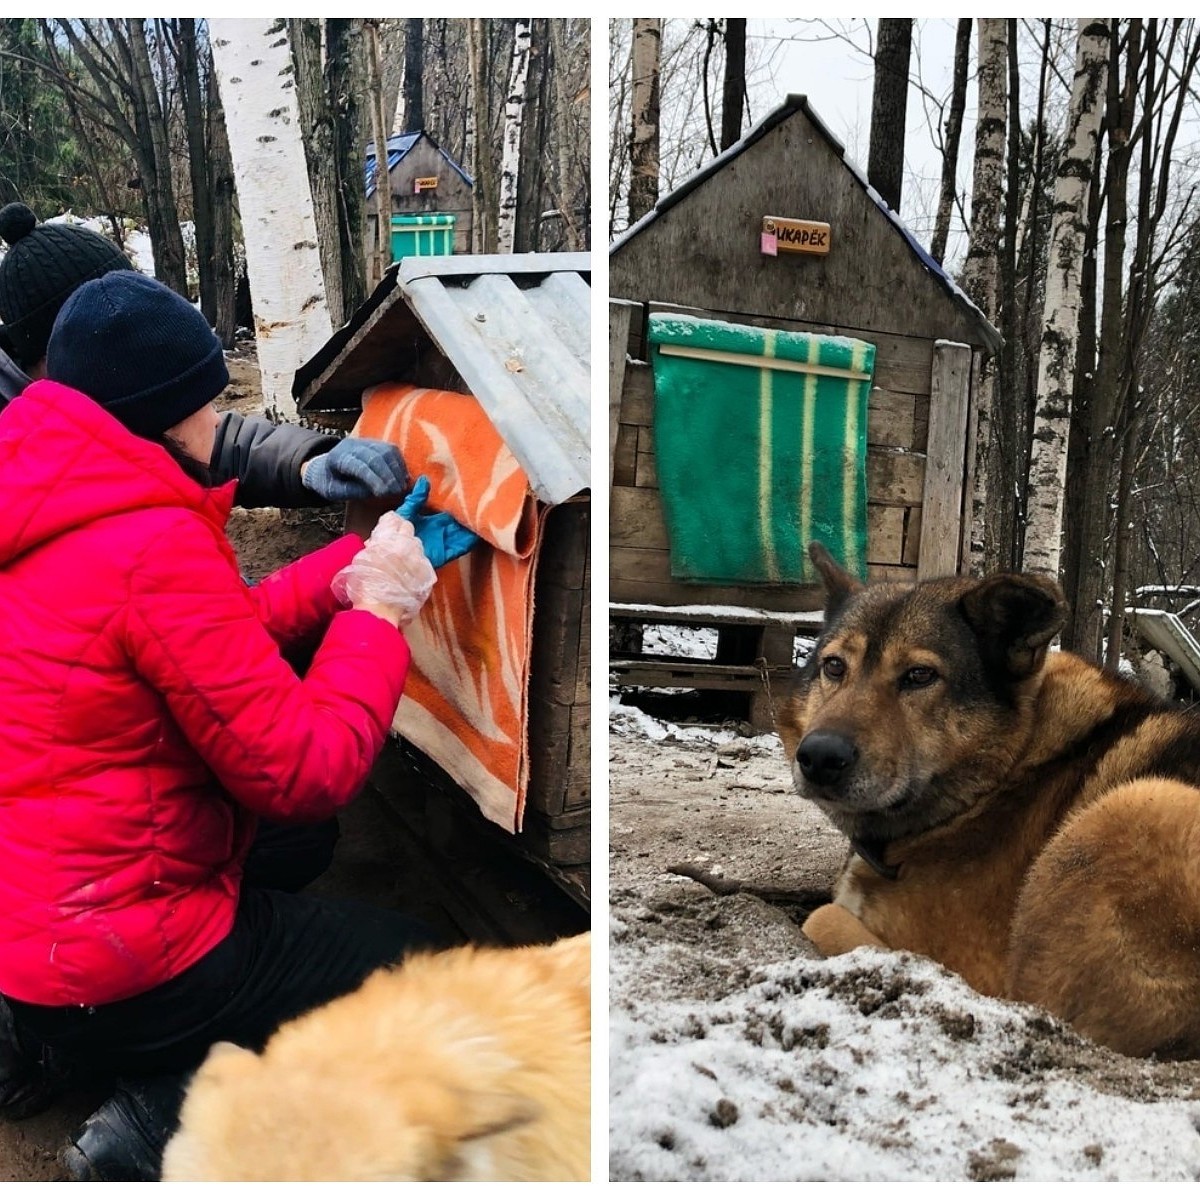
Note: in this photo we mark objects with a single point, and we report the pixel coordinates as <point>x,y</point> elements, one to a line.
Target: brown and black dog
<point>1023,817</point>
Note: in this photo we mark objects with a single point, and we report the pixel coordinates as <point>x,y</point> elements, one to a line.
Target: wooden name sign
<point>782,235</point>
<point>426,183</point>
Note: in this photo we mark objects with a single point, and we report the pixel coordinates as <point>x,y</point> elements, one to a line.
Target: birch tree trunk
<point>646,58</point>
<point>1056,358</point>
<point>510,159</point>
<point>981,275</point>
<point>291,321</point>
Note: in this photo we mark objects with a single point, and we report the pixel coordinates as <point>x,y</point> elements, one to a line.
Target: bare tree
<point>380,126</point>
<point>889,105</point>
<point>291,319</point>
<point>643,138</point>
<point>954,120</point>
<point>733,94</point>
<point>514,111</point>
<point>981,276</point>
<point>413,119</point>
<point>123,97</point>
<point>484,214</point>
<point>1056,363</point>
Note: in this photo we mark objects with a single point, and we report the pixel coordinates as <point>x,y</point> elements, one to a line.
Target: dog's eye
<point>918,677</point>
<point>833,667</point>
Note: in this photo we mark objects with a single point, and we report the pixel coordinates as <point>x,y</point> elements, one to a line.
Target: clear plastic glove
<point>356,469</point>
<point>390,572</point>
<point>443,537</point>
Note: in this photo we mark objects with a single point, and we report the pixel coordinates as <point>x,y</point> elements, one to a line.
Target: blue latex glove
<point>356,469</point>
<point>442,536</point>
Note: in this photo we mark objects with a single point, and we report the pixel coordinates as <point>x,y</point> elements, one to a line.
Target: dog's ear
<point>1015,618</point>
<point>839,583</point>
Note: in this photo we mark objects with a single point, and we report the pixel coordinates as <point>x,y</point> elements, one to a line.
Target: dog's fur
<point>470,1064</point>
<point>1024,818</point>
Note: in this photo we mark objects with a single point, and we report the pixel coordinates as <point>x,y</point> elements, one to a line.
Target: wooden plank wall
<point>558,805</point>
<point>898,419</point>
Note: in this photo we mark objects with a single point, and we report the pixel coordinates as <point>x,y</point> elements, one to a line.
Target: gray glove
<point>356,469</point>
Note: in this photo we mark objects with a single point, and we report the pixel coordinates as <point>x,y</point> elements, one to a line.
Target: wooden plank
<point>894,477</point>
<point>890,419</point>
<point>942,499</point>
<point>644,577</point>
<point>702,615</point>
<point>885,533</point>
<point>912,536</point>
<point>921,423</point>
<point>578,794</point>
<point>646,473</point>
<point>619,314</point>
<point>583,676</point>
<point>557,632</point>
<point>967,559</point>
<point>741,677</point>
<point>563,557</point>
<point>550,732</point>
<point>636,520</point>
<point>624,467</point>
<point>637,396</point>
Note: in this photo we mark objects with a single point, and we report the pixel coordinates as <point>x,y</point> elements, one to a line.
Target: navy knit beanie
<point>42,267</point>
<point>138,349</point>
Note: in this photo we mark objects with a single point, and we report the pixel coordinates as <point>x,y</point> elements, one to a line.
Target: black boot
<point>123,1140</point>
<point>32,1077</point>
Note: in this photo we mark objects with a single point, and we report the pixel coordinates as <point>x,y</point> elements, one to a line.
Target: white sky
<point>804,57</point>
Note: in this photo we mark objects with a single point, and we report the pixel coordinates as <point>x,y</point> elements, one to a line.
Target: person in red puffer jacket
<point>148,719</point>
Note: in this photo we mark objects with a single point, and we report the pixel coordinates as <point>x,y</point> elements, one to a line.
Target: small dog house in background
<point>513,331</point>
<point>431,198</point>
<point>782,233</point>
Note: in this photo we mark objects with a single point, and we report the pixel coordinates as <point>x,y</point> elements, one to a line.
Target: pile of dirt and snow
<point>735,1054</point>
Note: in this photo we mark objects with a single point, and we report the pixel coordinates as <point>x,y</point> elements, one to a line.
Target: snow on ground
<point>735,1054</point>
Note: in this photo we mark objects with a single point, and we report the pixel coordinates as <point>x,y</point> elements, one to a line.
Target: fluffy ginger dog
<point>470,1064</point>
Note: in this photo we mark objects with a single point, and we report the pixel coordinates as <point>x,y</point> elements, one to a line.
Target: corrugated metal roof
<point>398,145</point>
<point>794,104</point>
<point>516,328</point>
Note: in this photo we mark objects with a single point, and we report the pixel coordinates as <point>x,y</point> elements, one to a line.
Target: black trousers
<point>286,954</point>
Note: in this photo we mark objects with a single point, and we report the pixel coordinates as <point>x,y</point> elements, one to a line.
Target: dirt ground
<point>736,1054</point>
<point>378,859</point>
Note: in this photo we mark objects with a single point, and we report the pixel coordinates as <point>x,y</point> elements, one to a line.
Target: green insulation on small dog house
<point>761,439</point>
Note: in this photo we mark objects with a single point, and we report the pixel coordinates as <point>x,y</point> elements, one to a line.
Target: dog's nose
<point>825,758</point>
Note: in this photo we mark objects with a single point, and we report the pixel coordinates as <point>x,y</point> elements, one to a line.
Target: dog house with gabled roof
<point>430,197</point>
<point>512,332</point>
<point>782,238</point>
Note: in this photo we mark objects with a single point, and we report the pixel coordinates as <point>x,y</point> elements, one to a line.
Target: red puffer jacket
<point>146,713</point>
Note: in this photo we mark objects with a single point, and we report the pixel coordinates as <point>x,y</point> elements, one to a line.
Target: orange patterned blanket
<point>466,701</point>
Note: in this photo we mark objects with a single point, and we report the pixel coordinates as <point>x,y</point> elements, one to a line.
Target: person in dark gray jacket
<point>275,465</point>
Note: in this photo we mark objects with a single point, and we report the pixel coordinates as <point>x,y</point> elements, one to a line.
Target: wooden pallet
<point>754,652</point>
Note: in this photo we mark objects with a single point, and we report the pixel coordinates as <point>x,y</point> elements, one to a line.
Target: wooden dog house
<point>452,323</point>
<point>718,247</point>
<point>427,185</point>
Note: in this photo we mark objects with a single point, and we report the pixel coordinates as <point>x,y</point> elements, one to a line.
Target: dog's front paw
<point>836,930</point>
